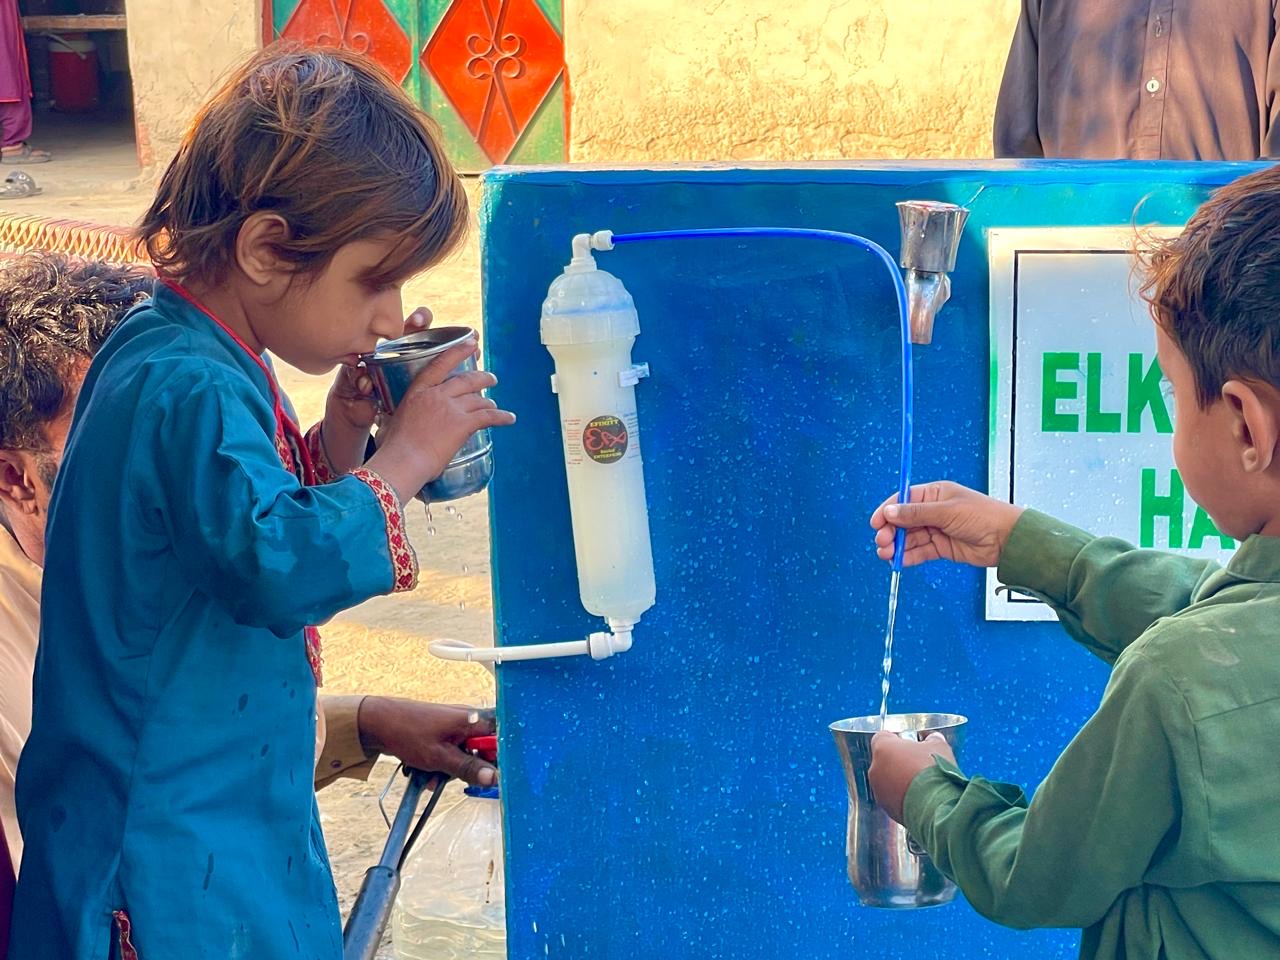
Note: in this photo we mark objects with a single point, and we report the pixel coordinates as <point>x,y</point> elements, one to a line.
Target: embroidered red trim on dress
<point>285,452</point>
<point>315,656</point>
<point>319,459</point>
<point>125,929</point>
<point>404,561</point>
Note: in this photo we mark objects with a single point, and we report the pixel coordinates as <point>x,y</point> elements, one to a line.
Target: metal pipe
<point>372,907</point>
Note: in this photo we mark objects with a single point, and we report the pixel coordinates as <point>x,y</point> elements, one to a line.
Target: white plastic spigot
<point>599,646</point>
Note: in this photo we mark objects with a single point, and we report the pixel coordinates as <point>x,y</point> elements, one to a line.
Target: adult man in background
<point>1143,80</point>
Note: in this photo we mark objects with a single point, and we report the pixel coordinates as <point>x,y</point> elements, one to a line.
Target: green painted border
<point>544,137</point>
<point>281,11</point>
<point>554,9</point>
<point>463,151</point>
<point>430,13</point>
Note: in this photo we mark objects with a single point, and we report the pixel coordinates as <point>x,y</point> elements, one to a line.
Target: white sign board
<point>1081,418</point>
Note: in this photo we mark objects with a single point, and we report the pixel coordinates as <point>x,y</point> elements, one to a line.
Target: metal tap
<point>930,238</point>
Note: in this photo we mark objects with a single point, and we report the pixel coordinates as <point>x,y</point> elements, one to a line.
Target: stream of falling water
<point>887,666</point>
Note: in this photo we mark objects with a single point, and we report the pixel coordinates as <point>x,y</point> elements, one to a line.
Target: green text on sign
<point>1172,508</point>
<point>1061,382</point>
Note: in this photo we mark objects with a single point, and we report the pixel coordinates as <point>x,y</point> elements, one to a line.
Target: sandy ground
<point>379,647</point>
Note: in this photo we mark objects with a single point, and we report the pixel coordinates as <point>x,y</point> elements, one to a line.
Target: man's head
<point>1215,295</point>
<point>54,315</point>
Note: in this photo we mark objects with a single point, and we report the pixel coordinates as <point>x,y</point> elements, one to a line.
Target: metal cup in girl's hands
<point>394,365</point>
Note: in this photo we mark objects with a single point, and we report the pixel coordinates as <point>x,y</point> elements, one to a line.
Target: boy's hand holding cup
<point>895,762</point>
<point>351,399</point>
<point>944,521</point>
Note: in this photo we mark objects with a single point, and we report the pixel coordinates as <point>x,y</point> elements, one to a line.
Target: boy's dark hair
<point>54,315</point>
<point>324,139</point>
<point>1215,288</point>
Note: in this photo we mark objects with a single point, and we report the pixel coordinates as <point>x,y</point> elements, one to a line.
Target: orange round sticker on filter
<point>605,439</point>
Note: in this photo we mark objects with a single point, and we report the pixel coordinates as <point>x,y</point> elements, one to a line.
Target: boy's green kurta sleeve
<point>1154,831</point>
<point>1095,823</point>
<point>1105,591</point>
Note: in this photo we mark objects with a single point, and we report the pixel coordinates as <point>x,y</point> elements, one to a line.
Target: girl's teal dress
<point>165,794</point>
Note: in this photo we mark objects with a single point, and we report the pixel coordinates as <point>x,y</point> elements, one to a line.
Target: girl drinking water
<point>197,535</point>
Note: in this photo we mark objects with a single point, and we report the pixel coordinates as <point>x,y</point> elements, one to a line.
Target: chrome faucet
<point>930,238</point>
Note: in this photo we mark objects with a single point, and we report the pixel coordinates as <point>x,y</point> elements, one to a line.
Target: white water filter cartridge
<point>589,325</point>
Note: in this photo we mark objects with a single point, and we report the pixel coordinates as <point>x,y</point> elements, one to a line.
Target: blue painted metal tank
<point>684,799</point>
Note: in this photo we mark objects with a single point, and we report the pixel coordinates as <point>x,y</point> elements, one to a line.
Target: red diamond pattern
<point>495,60</point>
<point>364,26</point>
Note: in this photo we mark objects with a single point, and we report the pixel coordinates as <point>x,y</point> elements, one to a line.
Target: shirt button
<point>1153,85</point>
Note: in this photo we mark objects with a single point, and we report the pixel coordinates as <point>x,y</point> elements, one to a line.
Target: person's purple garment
<point>1143,80</point>
<point>15,75</point>
<point>15,122</point>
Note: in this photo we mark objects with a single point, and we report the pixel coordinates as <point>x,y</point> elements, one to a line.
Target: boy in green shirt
<point>1158,829</point>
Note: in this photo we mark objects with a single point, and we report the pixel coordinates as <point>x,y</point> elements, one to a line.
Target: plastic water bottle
<point>452,904</point>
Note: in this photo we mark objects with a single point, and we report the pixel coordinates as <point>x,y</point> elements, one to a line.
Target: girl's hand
<point>428,736</point>
<point>946,521</point>
<point>351,403</point>
<point>351,409</point>
<point>433,420</point>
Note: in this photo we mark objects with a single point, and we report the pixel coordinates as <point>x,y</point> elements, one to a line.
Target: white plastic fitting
<point>584,243</point>
<point>626,378</point>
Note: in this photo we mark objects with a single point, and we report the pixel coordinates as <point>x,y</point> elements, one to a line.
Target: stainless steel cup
<point>886,867</point>
<point>393,366</point>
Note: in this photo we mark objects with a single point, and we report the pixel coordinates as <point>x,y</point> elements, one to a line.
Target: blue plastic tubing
<point>904,472</point>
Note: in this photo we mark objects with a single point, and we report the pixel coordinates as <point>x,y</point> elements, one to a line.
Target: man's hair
<point>1215,288</point>
<point>327,141</point>
<point>54,315</point>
